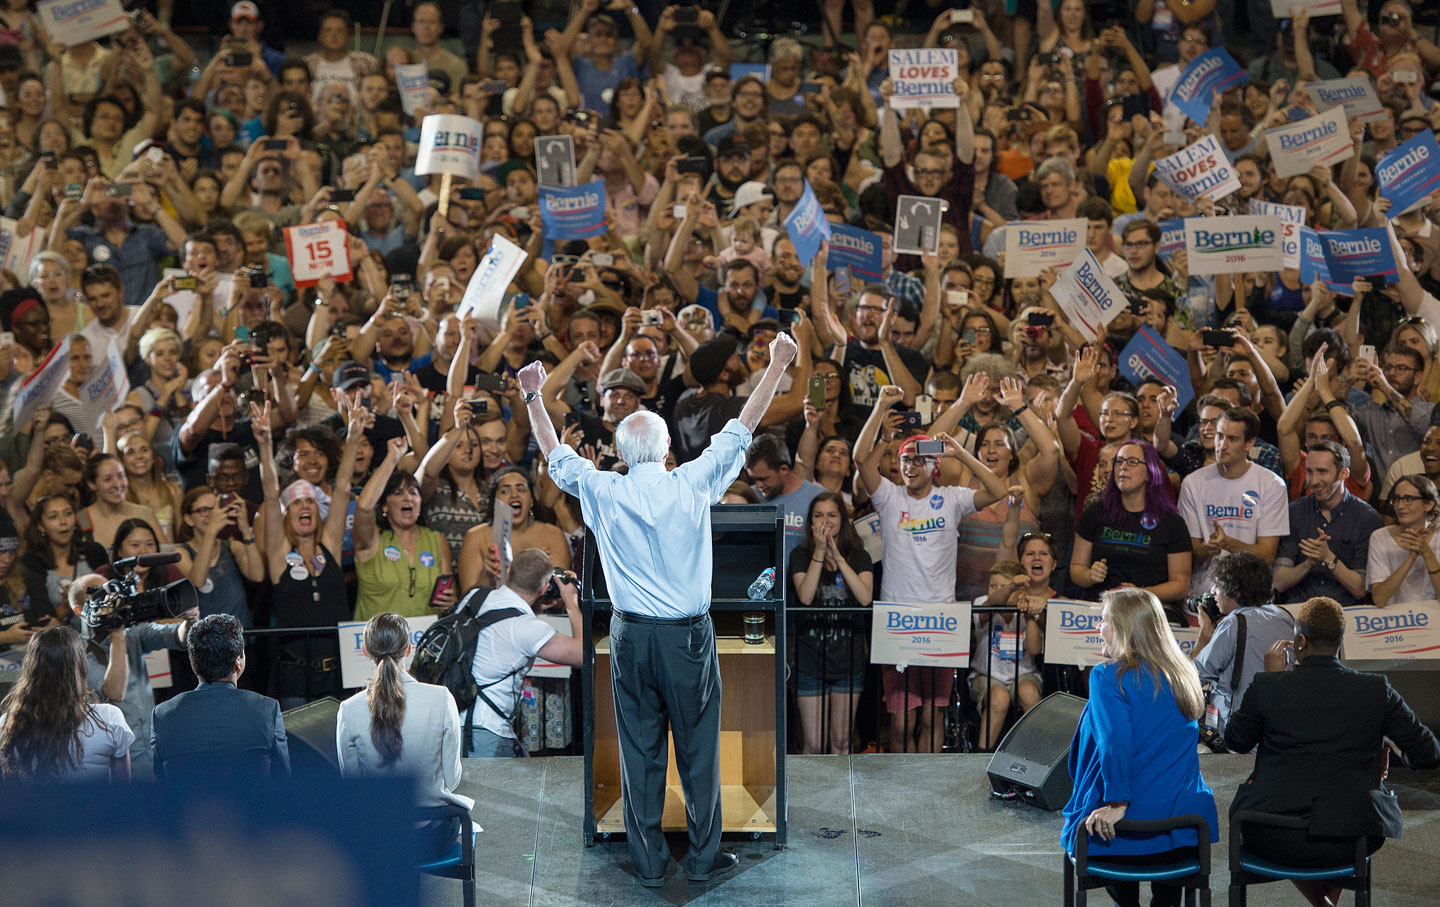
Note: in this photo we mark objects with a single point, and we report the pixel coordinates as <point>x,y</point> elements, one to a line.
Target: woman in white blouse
<point>1404,561</point>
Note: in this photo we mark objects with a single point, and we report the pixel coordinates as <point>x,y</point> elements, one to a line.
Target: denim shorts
<point>806,685</point>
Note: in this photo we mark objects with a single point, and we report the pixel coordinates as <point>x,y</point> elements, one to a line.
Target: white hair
<point>642,437</point>
<point>44,258</point>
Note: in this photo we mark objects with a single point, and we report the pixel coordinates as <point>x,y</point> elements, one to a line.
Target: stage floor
<point>864,830</point>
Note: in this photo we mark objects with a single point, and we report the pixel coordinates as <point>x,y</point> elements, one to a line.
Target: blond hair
<point>1142,638</point>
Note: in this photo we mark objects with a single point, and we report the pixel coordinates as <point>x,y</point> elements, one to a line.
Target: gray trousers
<point>666,674</point>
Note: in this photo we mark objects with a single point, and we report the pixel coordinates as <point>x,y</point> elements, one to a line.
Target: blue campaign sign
<point>1205,77</point>
<point>807,225</point>
<point>1147,355</point>
<point>859,250</point>
<point>1172,237</point>
<point>1312,257</point>
<point>1358,253</point>
<point>1409,174</point>
<point>574,213</point>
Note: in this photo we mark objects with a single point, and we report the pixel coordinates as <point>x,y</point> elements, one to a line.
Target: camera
<point>116,604</point>
<point>552,588</point>
<point>259,280</point>
<point>652,318</point>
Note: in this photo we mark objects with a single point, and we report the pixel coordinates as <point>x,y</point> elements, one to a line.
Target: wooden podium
<point>746,539</point>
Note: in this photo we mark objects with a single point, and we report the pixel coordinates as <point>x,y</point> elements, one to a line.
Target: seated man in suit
<point>217,730</point>
<point>1324,764</point>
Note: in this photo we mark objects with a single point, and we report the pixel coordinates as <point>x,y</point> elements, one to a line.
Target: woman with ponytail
<point>400,726</point>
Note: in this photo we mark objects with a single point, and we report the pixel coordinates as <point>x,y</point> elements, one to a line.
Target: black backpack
<point>446,651</point>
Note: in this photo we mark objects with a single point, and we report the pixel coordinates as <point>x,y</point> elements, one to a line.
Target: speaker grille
<point>1047,730</point>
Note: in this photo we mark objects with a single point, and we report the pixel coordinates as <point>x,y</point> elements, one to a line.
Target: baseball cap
<point>623,377</point>
<point>710,358</point>
<point>348,374</point>
<point>717,73</point>
<point>244,10</point>
<point>750,193</point>
<point>733,145</point>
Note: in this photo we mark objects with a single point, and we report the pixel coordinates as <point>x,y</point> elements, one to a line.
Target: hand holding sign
<point>317,251</point>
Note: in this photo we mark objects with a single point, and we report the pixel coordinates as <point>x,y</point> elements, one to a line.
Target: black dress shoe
<point>725,862</point>
<point>652,883</point>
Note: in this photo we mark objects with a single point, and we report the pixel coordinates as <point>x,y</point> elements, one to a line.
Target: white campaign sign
<point>356,668</point>
<point>1285,9</point>
<point>74,22</point>
<point>1032,246</point>
<point>1410,631</point>
<point>42,384</point>
<point>107,385</point>
<point>906,634</point>
<point>317,251</point>
<point>485,294</point>
<point>413,80</point>
<point>1292,218</point>
<point>450,144</point>
<point>157,668</point>
<point>1072,633</point>
<point>924,77</point>
<point>1200,169</point>
<point>1088,296</point>
<point>1356,94</point>
<point>1230,245</point>
<point>543,668</point>
<point>1321,139</point>
<point>15,250</point>
<point>868,528</point>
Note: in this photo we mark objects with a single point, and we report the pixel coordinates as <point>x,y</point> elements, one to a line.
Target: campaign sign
<point>107,385</point>
<point>542,668</point>
<point>1312,258</point>
<point>157,668</point>
<point>1072,633</point>
<point>1356,94</point>
<point>1147,355</point>
<point>1321,139</point>
<point>356,667</point>
<point>317,251</point>
<point>555,160</point>
<point>917,225</point>
<point>807,225</point>
<point>1395,631</point>
<point>42,384</point>
<point>16,250</point>
<point>74,22</point>
<point>924,77</point>
<point>450,144</point>
<point>906,634</point>
<point>1172,237</point>
<point>1200,170</point>
<point>485,293</point>
<point>1034,245</point>
<point>856,249</point>
<point>1088,296</point>
<point>413,80</point>
<point>1229,245</point>
<point>1285,9</point>
<point>1358,253</point>
<point>1292,218</point>
<point>1207,75</point>
<point>1410,174</point>
<point>574,213</point>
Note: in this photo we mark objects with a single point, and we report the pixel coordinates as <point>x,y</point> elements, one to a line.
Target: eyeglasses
<point>916,461</point>
<point>1406,499</point>
<point>920,172</point>
<point>983,281</point>
<point>870,308</point>
<point>1193,39</point>
<point>1130,461</point>
<point>112,117</point>
<point>1398,367</point>
<point>750,93</point>
<point>1392,19</point>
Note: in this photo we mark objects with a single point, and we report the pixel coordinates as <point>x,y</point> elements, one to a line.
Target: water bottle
<point>762,585</point>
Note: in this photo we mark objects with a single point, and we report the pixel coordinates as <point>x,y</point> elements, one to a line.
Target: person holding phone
<point>397,560</point>
<point>218,552</point>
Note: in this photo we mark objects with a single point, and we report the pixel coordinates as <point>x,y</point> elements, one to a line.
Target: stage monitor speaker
<point>1031,760</point>
<point>310,730</point>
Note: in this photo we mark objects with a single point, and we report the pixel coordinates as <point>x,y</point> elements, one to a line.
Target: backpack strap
<point>482,623</point>
<point>1237,670</point>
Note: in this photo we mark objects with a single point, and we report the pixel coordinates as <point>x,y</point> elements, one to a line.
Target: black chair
<point>459,862</point>
<point>1193,873</point>
<point>1247,869</point>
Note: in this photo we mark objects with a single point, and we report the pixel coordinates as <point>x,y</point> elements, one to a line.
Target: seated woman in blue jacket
<point>1133,755</point>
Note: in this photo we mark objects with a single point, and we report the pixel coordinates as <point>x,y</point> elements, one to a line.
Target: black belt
<point>632,618</point>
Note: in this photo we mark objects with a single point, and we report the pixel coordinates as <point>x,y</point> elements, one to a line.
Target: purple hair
<point>1157,491</point>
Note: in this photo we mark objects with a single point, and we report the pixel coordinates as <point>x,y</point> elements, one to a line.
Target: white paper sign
<point>1292,218</point>
<point>317,251</point>
<point>73,22</point>
<point>1357,95</point>
<point>42,384</point>
<point>1201,169</point>
<point>16,251</point>
<point>104,389</point>
<point>1410,631</point>
<point>1285,9</point>
<point>157,668</point>
<point>1321,139</point>
<point>924,77</point>
<point>1164,80</point>
<point>1072,633</point>
<point>1032,246</point>
<point>906,634</point>
<point>868,528</point>
<point>1088,296</point>
<point>543,668</point>
<point>355,667</point>
<point>413,80</point>
<point>485,294</point>
<point>450,144</point>
<point>1230,245</point>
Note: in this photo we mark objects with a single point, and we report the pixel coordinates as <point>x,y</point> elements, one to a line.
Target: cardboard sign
<point>1285,9</point>
<point>413,80</point>
<point>868,528</point>
<point>107,385</point>
<point>542,668</point>
<point>906,634</point>
<point>1207,75</point>
<point>1164,81</point>
<point>42,384</point>
<point>450,144</point>
<point>317,251</point>
<point>74,22</point>
<point>917,225</point>
<point>1298,146</point>
<point>1032,246</point>
<point>357,668</point>
<point>1405,632</point>
<point>1088,296</point>
<point>1356,94</point>
<point>1312,258</point>
<point>485,293</point>
<point>1410,174</point>
<point>1229,245</point>
<point>807,225</point>
<point>1147,355</point>
<point>574,213</point>
<point>501,528</point>
<point>1200,170</point>
<point>1292,218</point>
<point>859,250</point>
<point>924,77</point>
<point>1072,633</point>
<point>1351,254</point>
<point>555,160</point>
<point>1172,237</point>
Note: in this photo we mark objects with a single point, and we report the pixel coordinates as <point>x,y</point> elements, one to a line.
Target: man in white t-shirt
<point>1233,505</point>
<point>918,522</point>
<point>505,650</point>
<point>686,67</point>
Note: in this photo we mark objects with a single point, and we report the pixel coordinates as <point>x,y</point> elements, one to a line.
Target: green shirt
<point>390,581</point>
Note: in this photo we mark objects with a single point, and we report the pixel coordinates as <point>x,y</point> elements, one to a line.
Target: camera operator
<point>117,671</point>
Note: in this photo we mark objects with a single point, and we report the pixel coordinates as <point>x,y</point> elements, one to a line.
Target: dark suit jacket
<point>216,731</point>
<point>1319,729</point>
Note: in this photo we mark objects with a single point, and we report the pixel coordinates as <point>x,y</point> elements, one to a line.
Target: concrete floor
<point>864,830</point>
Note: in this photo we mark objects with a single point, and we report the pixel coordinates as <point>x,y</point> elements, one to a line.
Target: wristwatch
<point>1330,564</point>
<point>531,397</point>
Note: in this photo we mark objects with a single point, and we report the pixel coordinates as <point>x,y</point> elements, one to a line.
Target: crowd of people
<point>336,451</point>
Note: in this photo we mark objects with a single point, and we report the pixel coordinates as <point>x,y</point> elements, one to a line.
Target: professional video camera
<point>116,604</point>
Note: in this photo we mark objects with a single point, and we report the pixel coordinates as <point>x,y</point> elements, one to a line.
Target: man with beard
<point>1034,339</point>
<point>1140,247</point>
<point>747,97</point>
<point>1329,542</point>
<point>732,170</point>
<point>1395,427</point>
<point>641,354</point>
<point>620,392</point>
<point>782,285</point>
<point>872,360</point>
<point>352,381</point>
<point>215,420</point>
<point>937,174</point>
<point>789,184</point>
<point>264,174</point>
<point>1159,205</point>
<point>132,249</point>
<point>389,337</point>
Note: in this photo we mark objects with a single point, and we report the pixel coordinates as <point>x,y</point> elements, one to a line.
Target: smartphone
<point>74,190</point>
<point>787,318</point>
<point>118,190</point>
<point>572,419</point>
<point>925,406</point>
<point>1367,352</point>
<point>1218,339</point>
<point>910,422</point>
<point>652,318</point>
<point>492,383</point>
<point>521,213</point>
<point>929,448</point>
<point>815,390</point>
<point>472,194</point>
<point>678,212</point>
<point>342,195</point>
<point>239,58</point>
<point>957,298</point>
<point>275,144</point>
<point>81,439</point>
<point>401,291</point>
<point>183,282</point>
<point>1040,319</point>
<point>259,280</point>
<point>810,88</point>
<point>693,164</point>
<point>493,87</point>
<point>155,154</point>
<point>1175,139</point>
<point>444,583</point>
<point>603,259</point>
<point>842,280</point>
<point>7,338</point>
<point>49,158</point>
<point>478,405</point>
<point>242,334</point>
<point>1404,76</point>
<point>962,16</point>
<point>687,15</point>
<point>520,301</point>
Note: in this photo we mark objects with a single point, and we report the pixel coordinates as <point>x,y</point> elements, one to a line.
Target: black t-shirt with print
<point>1133,553</point>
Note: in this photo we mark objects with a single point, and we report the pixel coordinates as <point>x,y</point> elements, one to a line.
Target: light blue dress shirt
<point>653,526</point>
